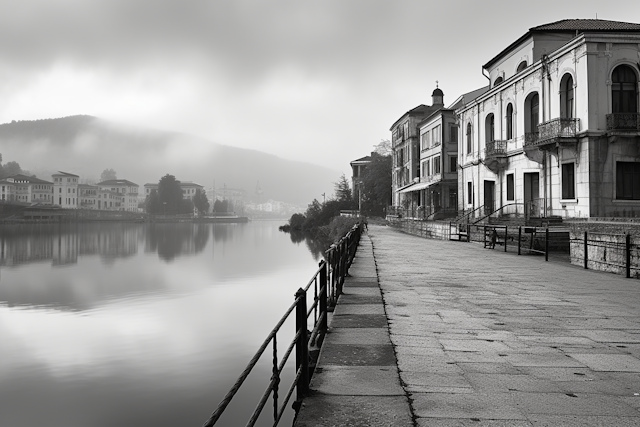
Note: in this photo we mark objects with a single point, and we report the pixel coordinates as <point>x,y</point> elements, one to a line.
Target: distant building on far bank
<point>26,189</point>
<point>125,194</point>
<point>65,190</point>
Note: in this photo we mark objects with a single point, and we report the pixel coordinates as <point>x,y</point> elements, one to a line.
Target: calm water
<point>137,324</point>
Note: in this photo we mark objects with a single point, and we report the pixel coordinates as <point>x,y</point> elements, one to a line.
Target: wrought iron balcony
<point>495,148</point>
<point>495,155</point>
<point>623,122</point>
<point>553,131</point>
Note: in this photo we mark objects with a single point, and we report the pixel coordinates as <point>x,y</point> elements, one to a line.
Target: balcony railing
<point>495,148</point>
<point>623,122</point>
<point>553,131</point>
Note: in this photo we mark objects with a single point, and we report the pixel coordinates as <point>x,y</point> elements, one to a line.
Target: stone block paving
<point>476,337</point>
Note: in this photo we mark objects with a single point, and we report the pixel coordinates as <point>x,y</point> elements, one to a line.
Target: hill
<point>86,145</point>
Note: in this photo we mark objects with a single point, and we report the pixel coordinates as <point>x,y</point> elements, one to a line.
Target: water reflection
<point>146,324</point>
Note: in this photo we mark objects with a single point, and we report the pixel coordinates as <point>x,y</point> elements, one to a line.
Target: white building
<point>127,190</point>
<point>65,190</point>
<point>558,131</point>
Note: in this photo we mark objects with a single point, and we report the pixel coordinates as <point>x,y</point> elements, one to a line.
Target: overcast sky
<point>320,81</point>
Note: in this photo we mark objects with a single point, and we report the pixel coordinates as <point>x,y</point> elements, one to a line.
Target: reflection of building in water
<point>15,251</point>
<point>63,244</point>
<point>65,249</point>
<point>173,240</point>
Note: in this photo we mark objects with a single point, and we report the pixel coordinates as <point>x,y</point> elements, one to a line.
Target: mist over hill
<point>86,145</point>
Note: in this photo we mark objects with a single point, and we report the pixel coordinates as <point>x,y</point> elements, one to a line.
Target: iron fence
<point>327,285</point>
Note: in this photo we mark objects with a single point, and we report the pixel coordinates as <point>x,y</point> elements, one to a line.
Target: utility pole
<point>324,199</point>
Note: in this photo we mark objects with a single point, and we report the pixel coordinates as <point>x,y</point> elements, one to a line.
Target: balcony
<point>623,123</point>
<point>495,155</point>
<point>556,131</point>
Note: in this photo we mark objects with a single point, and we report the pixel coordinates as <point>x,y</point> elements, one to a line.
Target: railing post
<point>468,233</point>
<point>586,246</point>
<point>628,253</point>
<point>505,238</point>
<point>323,297</point>
<point>302,349</point>
<point>546,244</point>
<point>519,238</point>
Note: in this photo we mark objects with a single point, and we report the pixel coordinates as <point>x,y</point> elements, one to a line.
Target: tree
<point>376,185</point>
<point>107,175</point>
<point>342,190</point>
<point>152,203</point>
<point>201,202</point>
<point>170,195</point>
<point>10,169</point>
<point>383,147</point>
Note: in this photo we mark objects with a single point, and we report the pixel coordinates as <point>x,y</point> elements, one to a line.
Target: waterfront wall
<point>429,229</point>
<point>606,245</point>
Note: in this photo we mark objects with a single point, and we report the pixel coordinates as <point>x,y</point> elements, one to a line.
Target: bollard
<point>505,238</point>
<point>302,349</point>
<point>468,233</point>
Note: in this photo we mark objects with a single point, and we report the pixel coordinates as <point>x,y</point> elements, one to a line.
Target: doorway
<point>532,194</point>
<point>489,197</point>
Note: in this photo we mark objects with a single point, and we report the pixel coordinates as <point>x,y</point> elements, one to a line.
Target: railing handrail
<point>328,280</point>
<point>496,210</point>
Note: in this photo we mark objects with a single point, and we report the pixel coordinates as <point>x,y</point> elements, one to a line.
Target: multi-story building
<point>558,131</point>
<point>65,190</point>
<point>405,150</point>
<point>88,196</point>
<point>357,169</point>
<point>188,189</point>
<point>27,189</point>
<point>128,191</point>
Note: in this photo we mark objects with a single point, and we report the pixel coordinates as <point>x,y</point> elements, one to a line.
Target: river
<point>122,324</point>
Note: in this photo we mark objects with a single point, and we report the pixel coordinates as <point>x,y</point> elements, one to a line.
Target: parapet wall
<point>428,229</point>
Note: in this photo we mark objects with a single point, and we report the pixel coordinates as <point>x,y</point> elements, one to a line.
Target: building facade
<point>125,195</point>
<point>558,131</point>
<point>65,190</point>
<point>26,189</point>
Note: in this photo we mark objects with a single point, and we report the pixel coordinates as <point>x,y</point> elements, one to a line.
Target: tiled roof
<point>587,25</point>
<point>30,179</point>
<point>117,182</point>
<point>362,159</point>
<point>65,174</point>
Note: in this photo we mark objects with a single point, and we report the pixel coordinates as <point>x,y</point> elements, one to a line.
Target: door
<point>532,194</point>
<point>489,197</point>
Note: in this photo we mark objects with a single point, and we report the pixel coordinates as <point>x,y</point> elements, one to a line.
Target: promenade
<point>442,333</point>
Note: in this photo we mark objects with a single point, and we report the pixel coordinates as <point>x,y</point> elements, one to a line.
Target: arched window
<point>566,97</point>
<point>469,138</point>
<point>532,108</point>
<point>489,126</point>
<point>521,66</point>
<point>624,90</point>
<point>498,81</point>
<point>510,121</point>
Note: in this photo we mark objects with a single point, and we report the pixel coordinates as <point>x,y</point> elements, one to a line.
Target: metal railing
<point>495,148</point>
<point>608,252</point>
<point>327,285</point>
<point>623,121</point>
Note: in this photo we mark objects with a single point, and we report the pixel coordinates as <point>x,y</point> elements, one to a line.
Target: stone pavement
<point>459,335</point>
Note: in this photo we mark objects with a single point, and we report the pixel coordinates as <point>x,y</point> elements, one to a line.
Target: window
<point>510,121</point>
<point>469,193</point>
<point>453,133</point>
<point>453,163</point>
<point>427,172</point>
<point>498,81</point>
<point>435,135</point>
<point>568,181</point>
<point>469,138</point>
<point>532,107</point>
<point>436,165</point>
<point>628,180</point>
<point>489,124</point>
<point>425,140</point>
<point>624,90</point>
<point>566,97</point>
<point>510,187</point>
<point>521,66</point>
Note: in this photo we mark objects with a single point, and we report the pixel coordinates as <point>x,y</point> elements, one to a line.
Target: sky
<point>317,81</point>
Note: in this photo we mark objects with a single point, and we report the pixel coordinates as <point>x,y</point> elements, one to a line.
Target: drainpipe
<point>488,78</point>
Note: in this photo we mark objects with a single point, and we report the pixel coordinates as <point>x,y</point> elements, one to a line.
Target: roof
<point>582,25</point>
<point>188,184</point>
<point>65,174</point>
<point>365,159</point>
<point>30,179</point>
<point>117,182</point>
<point>467,98</point>
<point>419,110</point>
<point>571,26</point>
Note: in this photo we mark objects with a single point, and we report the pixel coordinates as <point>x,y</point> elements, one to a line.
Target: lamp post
<point>164,204</point>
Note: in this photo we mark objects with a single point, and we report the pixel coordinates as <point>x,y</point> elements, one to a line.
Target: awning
<point>416,187</point>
